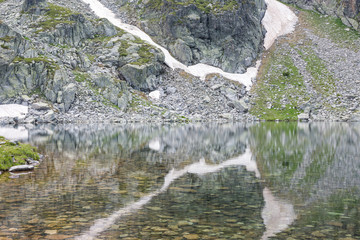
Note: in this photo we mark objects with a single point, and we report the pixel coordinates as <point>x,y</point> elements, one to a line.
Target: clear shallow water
<point>285,180</point>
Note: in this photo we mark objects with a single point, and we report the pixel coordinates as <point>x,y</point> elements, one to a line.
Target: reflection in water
<point>146,182</point>
<point>316,167</point>
<point>277,214</point>
<point>16,134</point>
<point>199,168</point>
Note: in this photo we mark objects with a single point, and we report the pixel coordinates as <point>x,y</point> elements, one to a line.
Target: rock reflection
<point>316,167</point>
<point>93,172</point>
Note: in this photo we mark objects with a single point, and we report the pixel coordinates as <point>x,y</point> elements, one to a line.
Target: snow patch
<point>278,20</point>
<point>13,110</point>
<point>155,94</point>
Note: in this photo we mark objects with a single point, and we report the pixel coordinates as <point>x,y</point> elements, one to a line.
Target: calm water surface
<point>229,181</point>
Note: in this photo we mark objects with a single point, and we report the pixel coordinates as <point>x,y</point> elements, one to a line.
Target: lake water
<point>227,181</point>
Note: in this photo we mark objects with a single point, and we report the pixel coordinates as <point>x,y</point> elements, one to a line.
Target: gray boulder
<point>69,92</point>
<point>21,168</point>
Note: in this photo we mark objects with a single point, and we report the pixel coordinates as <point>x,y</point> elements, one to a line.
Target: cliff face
<point>225,34</point>
<point>347,10</point>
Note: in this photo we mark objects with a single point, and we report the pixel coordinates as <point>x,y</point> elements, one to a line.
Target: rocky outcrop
<point>65,54</point>
<point>347,10</point>
<point>225,34</point>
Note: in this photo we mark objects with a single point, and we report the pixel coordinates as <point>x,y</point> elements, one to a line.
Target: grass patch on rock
<point>55,15</point>
<point>80,76</point>
<point>145,55</point>
<point>280,89</point>
<point>12,153</point>
<point>323,81</point>
<point>332,28</point>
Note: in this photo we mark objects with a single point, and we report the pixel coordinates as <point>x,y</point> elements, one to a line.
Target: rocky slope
<point>313,72</point>
<point>225,34</point>
<point>69,66</point>
<point>347,10</point>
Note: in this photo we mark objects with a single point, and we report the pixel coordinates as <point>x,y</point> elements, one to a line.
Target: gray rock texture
<point>347,10</point>
<point>225,34</point>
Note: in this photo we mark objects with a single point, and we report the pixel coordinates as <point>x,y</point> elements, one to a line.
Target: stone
<point>191,236</point>
<point>318,234</point>
<point>207,99</point>
<point>216,86</point>
<point>50,116</point>
<point>155,94</point>
<point>228,116</point>
<point>142,77</point>
<point>25,98</point>
<point>51,232</point>
<point>40,106</point>
<point>303,117</point>
<point>32,162</point>
<point>69,95</point>
<point>21,168</point>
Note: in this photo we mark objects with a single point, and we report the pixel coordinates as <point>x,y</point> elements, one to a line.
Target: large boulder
<point>142,77</point>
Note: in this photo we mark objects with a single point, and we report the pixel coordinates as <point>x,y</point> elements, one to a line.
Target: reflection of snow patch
<point>13,110</point>
<point>19,133</point>
<point>155,145</point>
<point>278,20</point>
<point>245,159</point>
<point>199,168</point>
<point>155,94</point>
<point>277,214</point>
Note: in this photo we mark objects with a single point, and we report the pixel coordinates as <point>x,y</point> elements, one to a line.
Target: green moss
<point>12,154</point>
<point>5,47</point>
<point>31,60</point>
<point>123,48</point>
<point>51,66</point>
<point>145,55</point>
<point>138,40</point>
<point>55,15</point>
<point>214,6</point>
<point>80,76</point>
<point>91,57</point>
<point>7,38</point>
<point>101,38</point>
<point>332,28</point>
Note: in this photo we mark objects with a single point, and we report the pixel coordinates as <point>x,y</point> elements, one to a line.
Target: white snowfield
<point>13,110</point>
<point>278,20</point>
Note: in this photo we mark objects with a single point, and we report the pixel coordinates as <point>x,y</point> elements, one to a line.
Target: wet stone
<point>50,232</point>
<point>318,234</point>
<point>191,236</point>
